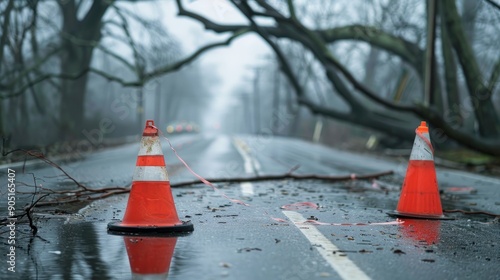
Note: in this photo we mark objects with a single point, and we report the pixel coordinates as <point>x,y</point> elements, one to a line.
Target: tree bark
<point>406,50</point>
<point>480,96</point>
<point>79,38</point>
<point>453,114</point>
<point>469,16</point>
<point>5,28</point>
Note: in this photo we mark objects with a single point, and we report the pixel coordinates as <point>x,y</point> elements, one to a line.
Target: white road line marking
<point>247,189</point>
<point>252,166</point>
<point>249,165</point>
<point>341,264</point>
<point>246,157</point>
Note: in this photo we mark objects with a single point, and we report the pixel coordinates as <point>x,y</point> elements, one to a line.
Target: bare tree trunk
<point>256,101</point>
<point>480,96</point>
<point>433,95</point>
<point>80,36</point>
<point>453,114</point>
<point>469,16</point>
<point>5,28</point>
<point>71,111</point>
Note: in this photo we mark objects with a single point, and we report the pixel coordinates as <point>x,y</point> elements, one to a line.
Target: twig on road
<point>288,176</point>
<point>42,157</point>
<point>472,212</point>
<point>34,229</point>
<point>89,194</point>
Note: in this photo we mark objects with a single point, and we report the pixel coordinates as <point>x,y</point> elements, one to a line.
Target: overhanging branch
<point>139,82</point>
<point>406,50</point>
<point>294,30</point>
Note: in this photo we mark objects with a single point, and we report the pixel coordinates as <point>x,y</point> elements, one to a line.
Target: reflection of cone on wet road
<point>423,232</point>
<point>420,193</point>
<point>150,257</point>
<point>150,207</point>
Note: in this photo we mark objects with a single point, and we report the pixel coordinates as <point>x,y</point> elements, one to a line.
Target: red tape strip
<point>294,206</point>
<point>421,135</point>
<point>203,180</point>
<point>156,160</point>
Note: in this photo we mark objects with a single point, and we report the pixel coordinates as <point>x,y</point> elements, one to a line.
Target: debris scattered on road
<point>280,220</point>
<point>460,190</point>
<point>398,251</point>
<point>300,205</point>
<point>247,249</point>
<point>364,251</point>
<point>313,222</point>
<point>344,251</point>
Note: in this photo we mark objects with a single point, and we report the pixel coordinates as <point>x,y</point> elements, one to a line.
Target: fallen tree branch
<point>34,229</point>
<point>83,193</point>
<point>89,194</point>
<point>472,212</point>
<point>42,157</point>
<point>288,176</point>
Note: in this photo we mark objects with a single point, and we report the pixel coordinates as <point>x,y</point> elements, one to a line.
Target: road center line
<point>250,165</point>
<point>341,264</point>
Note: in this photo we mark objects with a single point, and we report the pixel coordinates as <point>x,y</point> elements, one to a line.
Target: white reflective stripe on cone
<point>421,150</point>
<point>150,145</point>
<point>150,173</point>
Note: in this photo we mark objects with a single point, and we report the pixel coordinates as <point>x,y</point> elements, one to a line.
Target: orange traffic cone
<point>150,257</point>
<point>420,193</point>
<point>150,207</point>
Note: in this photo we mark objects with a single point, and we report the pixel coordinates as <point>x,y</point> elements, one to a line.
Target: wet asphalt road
<point>232,241</point>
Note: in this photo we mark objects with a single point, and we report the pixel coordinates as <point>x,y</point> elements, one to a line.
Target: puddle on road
<point>150,256</point>
<point>421,232</point>
<point>84,250</point>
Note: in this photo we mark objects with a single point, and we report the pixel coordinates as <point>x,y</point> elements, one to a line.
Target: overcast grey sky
<point>231,65</point>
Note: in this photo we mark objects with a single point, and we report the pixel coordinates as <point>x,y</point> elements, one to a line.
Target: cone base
<point>418,216</point>
<point>118,228</point>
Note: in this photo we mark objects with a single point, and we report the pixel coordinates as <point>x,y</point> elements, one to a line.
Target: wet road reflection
<point>84,250</point>
<point>419,231</point>
<point>80,253</point>
<point>150,257</point>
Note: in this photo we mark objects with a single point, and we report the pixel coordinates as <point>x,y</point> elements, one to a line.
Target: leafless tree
<point>52,55</point>
<point>464,91</point>
<point>367,106</point>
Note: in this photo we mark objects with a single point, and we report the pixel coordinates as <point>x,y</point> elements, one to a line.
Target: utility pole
<point>256,99</point>
<point>276,99</point>
<point>246,113</point>
<point>140,108</point>
<point>158,102</point>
